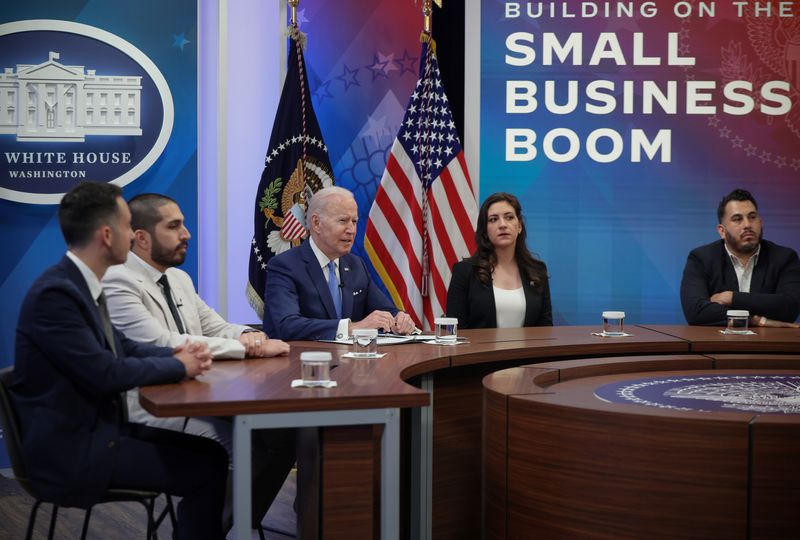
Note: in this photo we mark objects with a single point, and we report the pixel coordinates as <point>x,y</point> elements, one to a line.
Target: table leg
<point>421,470</point>
<point>390,476</point>
<point>242,507</point>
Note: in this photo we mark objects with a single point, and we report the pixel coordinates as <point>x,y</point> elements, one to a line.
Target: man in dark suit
<point>320,290</point>
<point>72,366</point>
<point>741,271</point>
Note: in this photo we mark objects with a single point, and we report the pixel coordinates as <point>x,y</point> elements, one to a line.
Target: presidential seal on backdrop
<point>77,103</point>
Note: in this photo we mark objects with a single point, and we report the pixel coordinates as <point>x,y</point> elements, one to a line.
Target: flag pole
<point>293,4</point>
<point>426,37</point>
<point>296,36</point>
<point>427,16</point>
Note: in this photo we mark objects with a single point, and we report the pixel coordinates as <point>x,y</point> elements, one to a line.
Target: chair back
<point>11,429</point>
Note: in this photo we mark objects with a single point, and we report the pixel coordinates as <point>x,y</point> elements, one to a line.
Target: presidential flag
<point>423,218</point>
<point>296,166</point>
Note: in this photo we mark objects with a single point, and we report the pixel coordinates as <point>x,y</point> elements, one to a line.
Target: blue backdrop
<point>616,235</point>
<point>32,237</point>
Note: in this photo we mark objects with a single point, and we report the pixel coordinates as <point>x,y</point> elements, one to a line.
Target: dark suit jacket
<point>473,302</point>
<point>774,287</point>
<point>67,386</point>
<point>298,304</point>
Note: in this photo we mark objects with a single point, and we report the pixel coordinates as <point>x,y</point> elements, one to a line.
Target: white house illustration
<point>57,103</point>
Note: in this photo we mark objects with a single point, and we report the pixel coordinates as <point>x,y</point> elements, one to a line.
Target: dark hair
<point>735,195</point>
<point>485,258</point>
<point>85,208</point>
<point>144,210</point>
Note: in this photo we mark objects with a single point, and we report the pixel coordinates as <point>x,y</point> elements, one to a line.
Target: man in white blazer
<point>152,301</point>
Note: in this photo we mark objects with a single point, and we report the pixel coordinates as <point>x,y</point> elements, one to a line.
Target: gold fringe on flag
<point>425,37</point>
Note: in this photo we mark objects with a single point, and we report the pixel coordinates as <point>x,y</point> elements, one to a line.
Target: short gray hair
<point>320,200</point>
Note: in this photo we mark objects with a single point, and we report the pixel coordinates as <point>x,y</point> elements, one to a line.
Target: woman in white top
<point>502,285</point>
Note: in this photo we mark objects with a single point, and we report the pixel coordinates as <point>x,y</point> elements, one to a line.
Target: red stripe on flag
<point>463,162</point>
<point>395,275</point>
<point>441,230</point>
<point>403,183</point>
<point>459,212</point>
<point>399,229</point>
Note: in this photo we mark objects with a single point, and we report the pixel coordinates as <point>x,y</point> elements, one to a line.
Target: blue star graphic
<point>179,40</point>
<point>348,77</point>
<point>323,92</point>
<point>301,17</point>
<point>407,63</point>
<point>378,68</point>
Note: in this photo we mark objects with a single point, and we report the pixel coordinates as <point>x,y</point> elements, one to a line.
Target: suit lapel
<point>184,303</point>
<point>730,281</point>
<point>152,289</point>
<point>486,295</point>
<point>345,278</point>
<point>530,298</point>
<point>74,274</point>
<point>317,277</point>
<point>759,272</point>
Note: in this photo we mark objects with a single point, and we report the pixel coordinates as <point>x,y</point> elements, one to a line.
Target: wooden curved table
<point>561,463</point>
<point>439,389</point>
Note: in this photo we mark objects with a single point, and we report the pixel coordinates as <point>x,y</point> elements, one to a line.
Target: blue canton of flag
<point>429,134</point>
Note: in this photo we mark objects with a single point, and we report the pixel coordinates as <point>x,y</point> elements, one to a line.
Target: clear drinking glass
<point>613,323</point>
<point>738,320</point>
<point>365,342</point>
<point>446,330</point>
<point>315,368</point>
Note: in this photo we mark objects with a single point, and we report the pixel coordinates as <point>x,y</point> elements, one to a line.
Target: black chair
<point>11,428</point>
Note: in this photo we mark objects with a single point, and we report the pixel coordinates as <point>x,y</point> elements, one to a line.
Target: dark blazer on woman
<point>473,302</point>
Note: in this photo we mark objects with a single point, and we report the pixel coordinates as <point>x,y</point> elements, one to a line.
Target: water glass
<point>613,323</point>
<point>737,321</point>
<point>315,368</point>
<point>446,330</point>
<point>365,342</point>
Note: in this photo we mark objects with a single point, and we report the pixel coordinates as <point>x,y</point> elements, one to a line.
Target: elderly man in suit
<point>741,271</point>
<point>320,290</point>
<point>154,302</point>
<point>71,365</point>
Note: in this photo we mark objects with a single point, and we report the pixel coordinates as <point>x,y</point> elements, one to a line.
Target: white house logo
<point>766,394</point>
<point>76,103</point>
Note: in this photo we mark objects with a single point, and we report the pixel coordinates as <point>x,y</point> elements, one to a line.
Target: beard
<point>167,257</point>
<point>745,247</point>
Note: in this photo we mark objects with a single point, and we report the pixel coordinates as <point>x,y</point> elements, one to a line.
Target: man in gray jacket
<point>152,301</point>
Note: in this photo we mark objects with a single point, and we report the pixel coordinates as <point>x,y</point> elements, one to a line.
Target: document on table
<point>384,339</point>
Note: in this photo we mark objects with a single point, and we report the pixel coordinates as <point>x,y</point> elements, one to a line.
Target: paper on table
<point>362,356</point>
<point>604,334</point>
<point>300,383</point>
<point>383,339</point>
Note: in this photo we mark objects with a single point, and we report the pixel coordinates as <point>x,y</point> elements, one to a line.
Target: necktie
<point>170,303</point>
<point>106,320</point>
<point>333,286</point>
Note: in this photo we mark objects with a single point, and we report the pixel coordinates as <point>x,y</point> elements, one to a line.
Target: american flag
<point>423,217</point>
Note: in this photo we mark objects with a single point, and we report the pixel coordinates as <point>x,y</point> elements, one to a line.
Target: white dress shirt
<point>323,260</point>
<point>744,272</point>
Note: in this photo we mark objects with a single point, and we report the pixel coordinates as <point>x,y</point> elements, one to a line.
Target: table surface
<point>263,385</point>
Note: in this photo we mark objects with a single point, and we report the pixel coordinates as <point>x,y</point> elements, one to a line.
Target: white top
<point>744,273</point>
<point>510,307</point>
